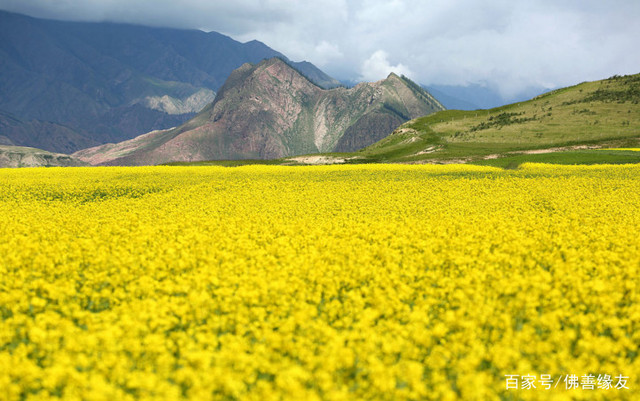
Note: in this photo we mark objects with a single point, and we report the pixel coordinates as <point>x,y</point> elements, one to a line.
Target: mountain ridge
<point>110,82</point>
<point>33,133</point>
<point>270,110</point>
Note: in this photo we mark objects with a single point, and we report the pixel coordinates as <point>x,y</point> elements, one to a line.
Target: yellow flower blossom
<point>379,282</point>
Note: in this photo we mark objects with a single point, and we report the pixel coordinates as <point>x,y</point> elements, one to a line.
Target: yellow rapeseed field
<point>632,149</point>
<point>320,283</point>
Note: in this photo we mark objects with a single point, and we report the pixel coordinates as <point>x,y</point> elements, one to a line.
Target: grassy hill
<point>563,124</point>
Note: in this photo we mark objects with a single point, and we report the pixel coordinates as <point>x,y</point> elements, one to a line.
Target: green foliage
<point>569,157</point>
<point>631,94</point>
<point>396,109</point>
<point>228,163</point>
<point>501,120</point>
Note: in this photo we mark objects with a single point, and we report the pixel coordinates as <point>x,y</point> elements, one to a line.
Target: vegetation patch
<point>502,120</point>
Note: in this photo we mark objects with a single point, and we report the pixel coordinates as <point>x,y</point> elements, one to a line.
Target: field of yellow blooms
<point>320,283</point>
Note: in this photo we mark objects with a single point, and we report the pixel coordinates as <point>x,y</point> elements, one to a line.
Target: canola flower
<point>379,282</point>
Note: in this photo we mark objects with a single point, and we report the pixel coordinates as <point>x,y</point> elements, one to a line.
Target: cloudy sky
<point>503,44</point>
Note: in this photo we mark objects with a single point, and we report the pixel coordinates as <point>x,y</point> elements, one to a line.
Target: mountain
<point>270,110</point>
<point>110,82</point>
<point>33,133</point>
<point>476,96</point>
<point>577,119</point>
<point>451,102</point>
<point>315,75</point>
<point>19,156</point>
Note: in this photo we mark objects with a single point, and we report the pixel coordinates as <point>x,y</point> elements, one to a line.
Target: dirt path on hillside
<point>553,150</point>
<point>316,160</point>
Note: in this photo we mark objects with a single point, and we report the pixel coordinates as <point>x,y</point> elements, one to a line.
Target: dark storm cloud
<point>505,44</point>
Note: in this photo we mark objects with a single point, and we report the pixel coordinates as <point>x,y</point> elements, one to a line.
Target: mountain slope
<point>592,114</point>
<point>270,110</point>
<point>52,136</point>
<point>19,156</point>
<point>315,75</point>
<point>476,96</point>
<point>111,82</point>
<point>451,102</point>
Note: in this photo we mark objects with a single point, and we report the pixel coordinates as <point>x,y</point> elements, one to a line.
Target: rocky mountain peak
<point>271,110</point>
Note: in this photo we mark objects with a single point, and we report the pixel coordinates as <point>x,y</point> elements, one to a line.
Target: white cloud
<point>506,44</point>
<point>325,52</point>
<point>378,67</point>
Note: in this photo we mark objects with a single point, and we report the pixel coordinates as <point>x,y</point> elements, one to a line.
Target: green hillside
<point>564,125</point>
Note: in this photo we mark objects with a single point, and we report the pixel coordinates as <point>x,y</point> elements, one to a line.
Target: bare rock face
<point>176,106</point>
<point>270,110</point>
